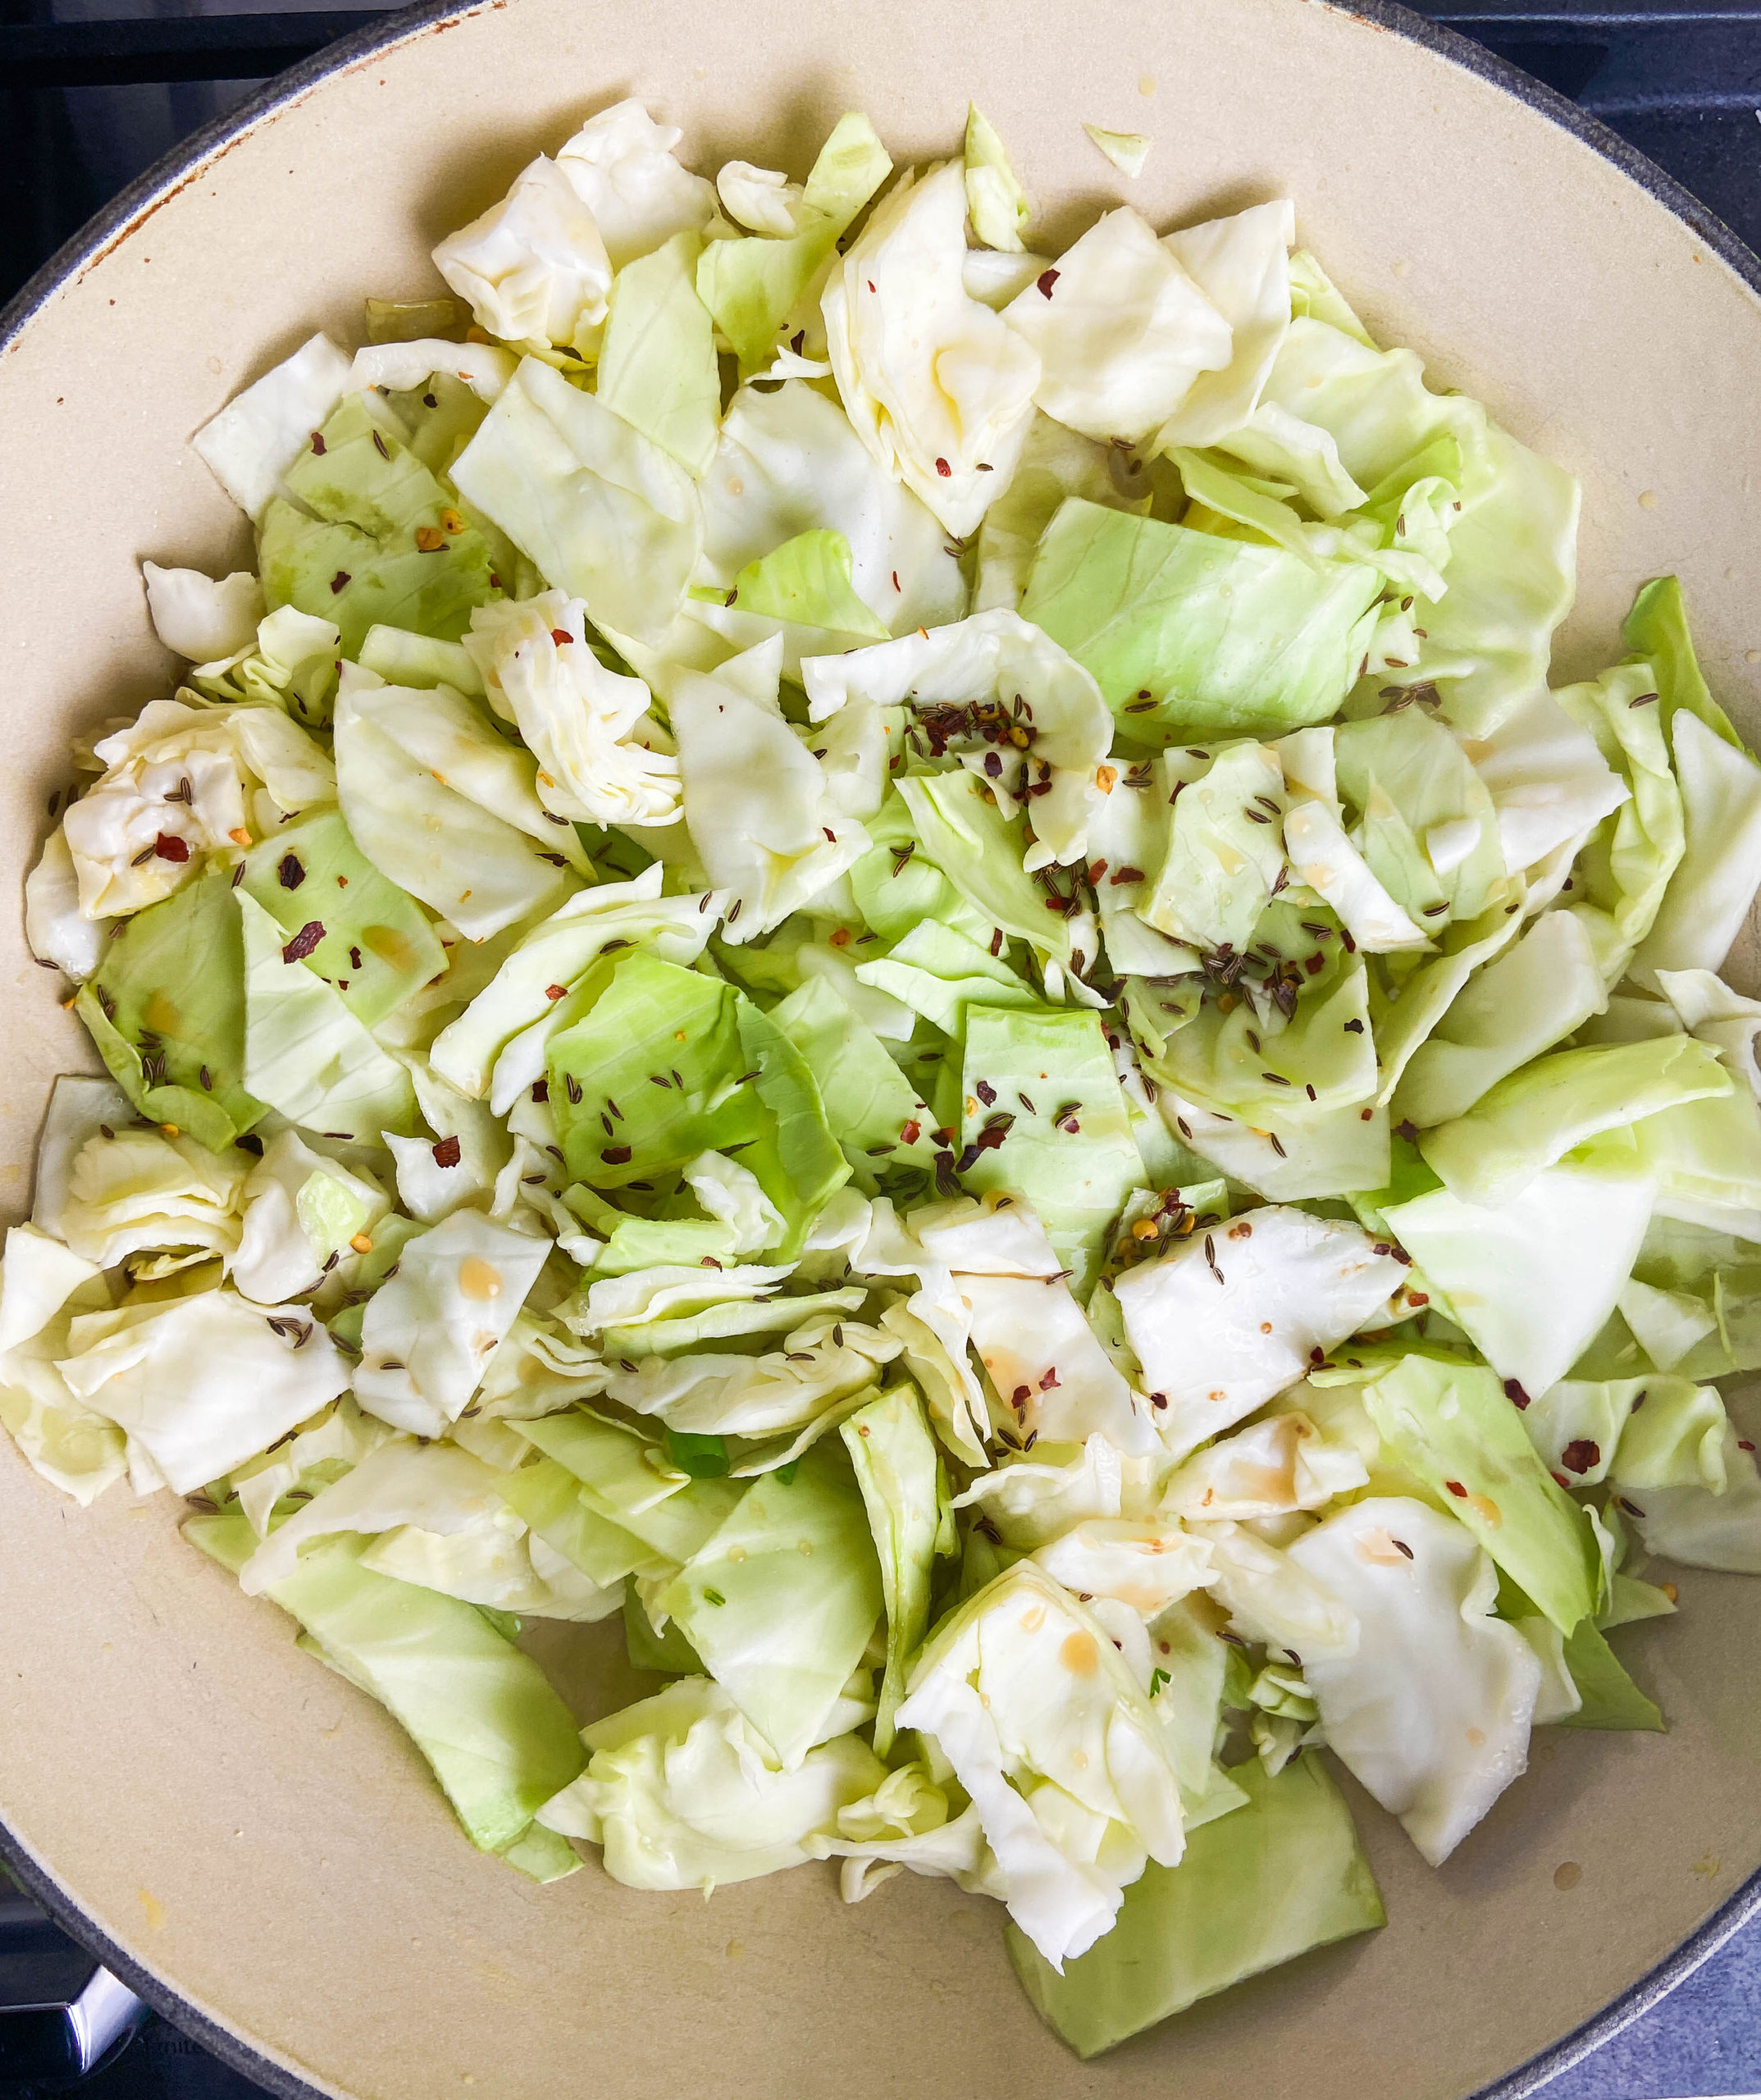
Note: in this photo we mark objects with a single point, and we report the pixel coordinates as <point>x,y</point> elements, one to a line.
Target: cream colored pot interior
<point>260,1836</point>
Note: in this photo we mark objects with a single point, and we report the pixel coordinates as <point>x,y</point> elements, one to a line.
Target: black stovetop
<point>88,102</point>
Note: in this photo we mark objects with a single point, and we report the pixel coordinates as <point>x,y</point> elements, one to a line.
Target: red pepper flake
<point>1580,1454</point>
<point>290,874</point>
<point>562,637</point>
<point>446,1152</point>
<point>910,1133</point>
<point>895,579</point>
<point>1513,1391</point>
<point>1125,875</point>
<point>985,1091</point>
<point>617,1155</point>
<point>1049,1381</point>
<point>354,959</point>
<point>1417,1298</point>
<point>540,1089</point>
<point>556,991</point>
<point>169,847</point>
<point>943,469</point>
<point>1456,1489</point>
<point>1405,1129</point>
<point>340,582</point>
<point>871,284</point>
<point>1045,280</point>
<point>1366,1114</point>
<point>318,445</point>
<point>303,942</point>
<point>1743,1445</point>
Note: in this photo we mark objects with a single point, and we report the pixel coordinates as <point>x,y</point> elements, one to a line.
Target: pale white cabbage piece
<point>1023,1694</point>
<point>1432,1713</point>
<point>583,723</point>
<point>1234,1315</point>
<point>141,1189</point>
<point>757,803</point>
<point>683,1792</point>
<point>601,511</point>
<point>1271,1597</point>
<point>502,1034</point>
<point>119,818</point>
<point>1665,1324</point>
<point>1120,330</point>
<point>933,1329</point>
<point>763,199</point>
<point>994,276</point>
<point>1241,265</point>
<point>305,1053</point>
<point>1322,855</point>
<point>56,932</point>
<point>667,1291</point>
<point>1707,1007</point>
<point>437,1486</point>
<point>1031,1501</point>
<point>1700,1528</point>
<point>1048,1366</point>
<point>38,1277</point>
<point>1268,1469</point>
<point>494,1561</point>
<point>1127,150</point>
<point>1547,779</point>
<point>994,656</point>
<point>74,1448</point>
<point>1056,462</point>
<point>202,1383</point>
<point>80,1108</point>
<point>429,1331</point>
<point>789,462</point>
<point>177,773</point>
<point>996,203</point>
<point>1145,1563</point>
<point>532,269</point>
<point>1529,998</point>
<point>621,166</point>
<point>487,1151</point>
<point>820,1363</point>
<point>401,368</point>
<point>301,1210</point>
<point>935,384</point>
<point>907,1823</point>
<point>1714,884</point>
<point>1534,1281</point>
<point>202,617</point>
<point>321,1451</point>
<point>733,1194</point>
<point>468,840</point>
<point>996,1235</point>
<point>260,434</point>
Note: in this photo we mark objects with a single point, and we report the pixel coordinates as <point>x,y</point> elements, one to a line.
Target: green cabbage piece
<point>626,1482</point>
<point>996,203</point>
<point>939,973</point>
<point>782,1601</point>
<point>870,1106</point>
<point>1405,777</point>
<point>657,367</point>
<point>1610,1699</point>
<point>1190,636</point>
<point>1538,1114</point>
<point>312,869</point>
<point>667,1653</point>
<point>356,558</point>
<point>1623,868</point>
<point>807,580</point>
<point>899,1470</point>
<point>896,890</point>
<point>305,1053</point>
<point>1454,1426</point>
<point>1043,1070</point>
<point>500,1740</point>
<point>1223,852</point>
<point>601,510</point>
<point>751,286</point>
<point>1656,630</point>
<point>166,1007</point>
<point>981,851</point>
<point>548,1497</point>
<point>1280,1876</point>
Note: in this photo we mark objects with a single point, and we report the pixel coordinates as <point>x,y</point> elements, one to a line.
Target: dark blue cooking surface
<point>88,101</point>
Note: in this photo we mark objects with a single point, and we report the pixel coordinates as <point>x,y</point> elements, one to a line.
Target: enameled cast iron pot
<point>254,1842</point>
